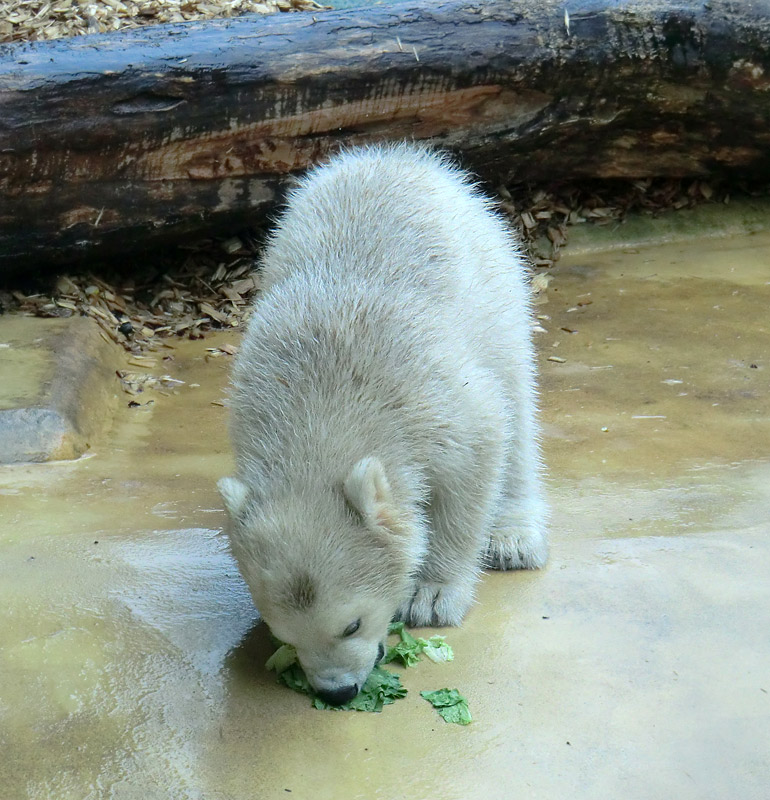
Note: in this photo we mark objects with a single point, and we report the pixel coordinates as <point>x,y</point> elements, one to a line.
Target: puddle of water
<point>635,665</point>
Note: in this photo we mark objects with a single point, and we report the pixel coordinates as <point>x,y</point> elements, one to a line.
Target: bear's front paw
<point>437,604</point>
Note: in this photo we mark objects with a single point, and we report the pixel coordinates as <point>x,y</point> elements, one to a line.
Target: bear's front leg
<point>460,515</point>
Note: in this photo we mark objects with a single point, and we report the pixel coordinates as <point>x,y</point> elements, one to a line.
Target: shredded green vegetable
<point>409,649</point>
<point>452,706</point>
<point>382,687</point>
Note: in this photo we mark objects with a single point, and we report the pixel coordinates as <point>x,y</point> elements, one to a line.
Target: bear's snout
<point>336,697</point>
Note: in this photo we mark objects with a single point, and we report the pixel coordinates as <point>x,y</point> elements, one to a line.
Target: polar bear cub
<point>383,411</point>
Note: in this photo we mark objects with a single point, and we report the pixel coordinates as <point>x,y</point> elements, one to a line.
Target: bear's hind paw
<point>525,550</point>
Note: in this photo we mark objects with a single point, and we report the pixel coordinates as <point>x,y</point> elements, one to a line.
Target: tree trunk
<point>109,142</point>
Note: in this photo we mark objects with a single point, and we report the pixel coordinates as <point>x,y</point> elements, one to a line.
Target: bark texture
<point>110,142</point>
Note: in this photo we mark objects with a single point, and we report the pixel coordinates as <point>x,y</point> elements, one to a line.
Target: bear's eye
<point>352,628</point>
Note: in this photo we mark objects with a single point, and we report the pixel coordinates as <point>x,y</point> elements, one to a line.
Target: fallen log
<point>108,142</point>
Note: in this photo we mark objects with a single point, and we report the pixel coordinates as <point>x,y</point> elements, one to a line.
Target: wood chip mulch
<point>188,294</point>
<point>209,285</point>
<point>543,216</point>
<point>28,20</point>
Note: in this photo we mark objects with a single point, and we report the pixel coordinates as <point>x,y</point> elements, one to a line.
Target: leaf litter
<point>30,20</point>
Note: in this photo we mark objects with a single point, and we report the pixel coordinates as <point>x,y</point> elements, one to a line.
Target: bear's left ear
<point>234,494</point>
<point>368,492</point>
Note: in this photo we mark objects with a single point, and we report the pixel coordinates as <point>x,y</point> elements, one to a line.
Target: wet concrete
<point>634,666</point>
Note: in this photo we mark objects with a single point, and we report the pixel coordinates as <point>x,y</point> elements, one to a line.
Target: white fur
<point>367,489</point>
<point>383,411</point>
<point>234,494</point>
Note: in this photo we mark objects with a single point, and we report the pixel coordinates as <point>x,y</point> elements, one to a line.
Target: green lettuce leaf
<point>294,678</point>
<point>282,658</point>
<point>437,650</point>
<point>450,704</point>
<point>407,655</point>
<point>381,688</point>
<point>409,649</point>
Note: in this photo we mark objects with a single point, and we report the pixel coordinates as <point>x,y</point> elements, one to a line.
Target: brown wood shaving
<point>28,20</point>
<point>542,216</point>
<point>137,382</point>
<point>183,297</point>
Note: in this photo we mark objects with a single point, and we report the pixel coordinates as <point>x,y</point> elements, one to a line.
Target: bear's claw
<point>436,605</point>
<point>525,550</point>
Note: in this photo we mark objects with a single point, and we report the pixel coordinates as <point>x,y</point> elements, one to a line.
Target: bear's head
<point>327,569</point>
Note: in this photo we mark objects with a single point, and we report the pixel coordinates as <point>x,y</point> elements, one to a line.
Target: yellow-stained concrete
<point>637,665</point>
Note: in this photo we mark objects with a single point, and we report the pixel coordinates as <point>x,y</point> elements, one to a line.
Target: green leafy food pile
<point>409,649</point>
<point>452,706</point>
<point>382,687</point>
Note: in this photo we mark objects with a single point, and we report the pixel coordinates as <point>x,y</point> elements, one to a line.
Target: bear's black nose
<point>336,697</point>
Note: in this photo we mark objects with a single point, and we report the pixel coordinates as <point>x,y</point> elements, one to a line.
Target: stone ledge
<point>742,217</point>
<point>57,387</point>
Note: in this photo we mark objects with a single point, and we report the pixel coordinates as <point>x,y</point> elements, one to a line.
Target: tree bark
<point>109,142</point>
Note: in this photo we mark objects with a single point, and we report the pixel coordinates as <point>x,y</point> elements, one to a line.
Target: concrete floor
<point>637,665</point>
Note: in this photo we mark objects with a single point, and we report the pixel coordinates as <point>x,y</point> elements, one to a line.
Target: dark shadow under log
<point>111,142</point>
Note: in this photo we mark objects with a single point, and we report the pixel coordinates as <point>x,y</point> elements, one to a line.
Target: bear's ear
<point>368,492</point>
<point>234,494</point>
